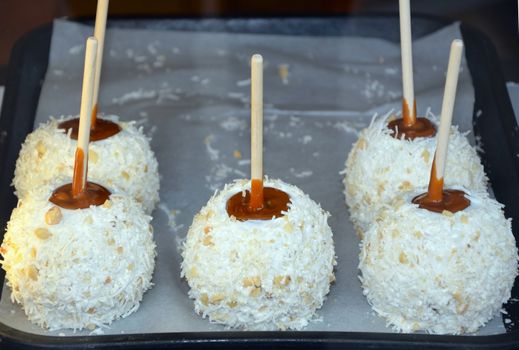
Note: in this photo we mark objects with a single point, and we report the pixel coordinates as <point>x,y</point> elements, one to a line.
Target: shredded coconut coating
<point>78,268</point>
<point>380,166</point>
<point>259,275</point>
<point>441,273</point>
<point>124,160</point>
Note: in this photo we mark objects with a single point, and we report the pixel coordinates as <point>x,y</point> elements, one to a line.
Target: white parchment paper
<point>190,92</point>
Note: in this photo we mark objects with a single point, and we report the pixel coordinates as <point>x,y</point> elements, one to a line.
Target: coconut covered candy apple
<point>443,261</point>
<point>260,253</point>
<point>78,255</point>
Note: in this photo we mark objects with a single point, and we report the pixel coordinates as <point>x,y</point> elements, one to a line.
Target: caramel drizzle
<point>79,174</point>
<point>409,125</point>
<point>435,189</point>
<point>421,128</point>
<point>437,199</point>
<point>80,194</point>
<point>275,204</point>
<point>93,119</point>
<point>100,130</point>
<point>408,116</point>
<point>93,194</point>
<point>256,195</point>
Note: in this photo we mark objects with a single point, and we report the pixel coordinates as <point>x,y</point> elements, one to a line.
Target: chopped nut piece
<point>282,281</point>
<point>405,186</point>
<point>461,306</point>
<point>91,310</point>
<point>193,272</point>
<point>216,298</point>
<point>255,292</point>
<point>53,216</point>
<point>257,281</point>
<point>426,156</point>
<point>120,250</point>
<point>207,229</point>
<point>232,304</point>
<point>247,282</point>
<point>403,258</point>
<point>42,233</point>
<point>447,213</point>
<point>93,156</point>
<point>251,281</point>
<point>204,299</point>
<point>277,280</point>
<point>32,272</point>
<point>91,326</point>
<point>40,149</point>
<point>361,144</point>
<point>283,72</point>
<point>108,280</point>
<point>208,240</point>
<point>125,175</point>
<point>107,204</point>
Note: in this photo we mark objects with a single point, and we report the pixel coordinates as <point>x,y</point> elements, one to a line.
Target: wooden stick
<point>79,179</point>
<point>408,102</point>
<point>442,141</point>
<point>256,201</point>
<point>99,34</point>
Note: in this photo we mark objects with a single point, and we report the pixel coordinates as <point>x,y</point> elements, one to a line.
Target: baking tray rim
<point>12,337</point>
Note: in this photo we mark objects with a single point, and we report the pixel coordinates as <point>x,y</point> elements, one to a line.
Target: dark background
<point>496,18</point>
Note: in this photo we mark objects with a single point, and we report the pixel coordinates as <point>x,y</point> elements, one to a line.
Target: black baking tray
<point>494,125</point>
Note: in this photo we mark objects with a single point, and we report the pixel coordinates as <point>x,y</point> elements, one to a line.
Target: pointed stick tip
<point>457,43</point>
<point>257,58</point>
